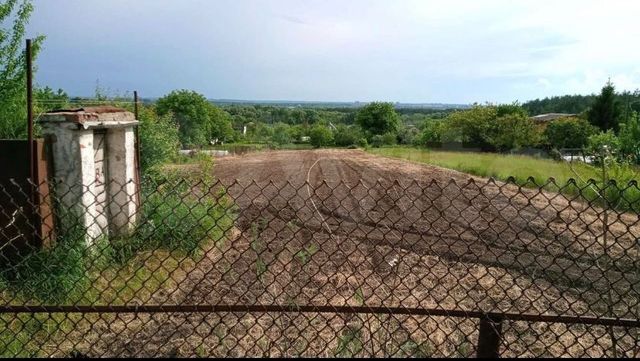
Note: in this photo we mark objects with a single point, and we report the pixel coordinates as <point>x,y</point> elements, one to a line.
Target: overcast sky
<point>393,50</point>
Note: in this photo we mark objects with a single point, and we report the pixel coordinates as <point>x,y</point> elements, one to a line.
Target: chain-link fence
<point>206,268</point>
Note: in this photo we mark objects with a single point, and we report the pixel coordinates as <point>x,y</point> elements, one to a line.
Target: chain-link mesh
<point>207,268</point>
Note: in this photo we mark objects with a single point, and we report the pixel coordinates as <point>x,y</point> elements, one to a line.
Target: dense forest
<point>577,104</point>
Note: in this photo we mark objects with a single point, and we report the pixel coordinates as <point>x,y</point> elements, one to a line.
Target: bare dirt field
<point>342,227</point>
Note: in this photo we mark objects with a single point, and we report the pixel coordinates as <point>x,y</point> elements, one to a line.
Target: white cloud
<point>406,50</point>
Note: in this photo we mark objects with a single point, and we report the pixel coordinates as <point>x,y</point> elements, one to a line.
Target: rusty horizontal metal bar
<point>590,320</point>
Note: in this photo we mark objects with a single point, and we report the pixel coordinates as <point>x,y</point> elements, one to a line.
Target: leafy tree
<point>377,141</point>
<point>378,118</point>
<point>347,135</point>
<point>219,125</point>
<point>604,144</point>
<point>407,134</point>
<point>513,131</point>
<point>298,131</point>
<point>474,125</point>
<point>568,133</point>
<point>321,136</point>
<point>198,120</point>
<point>630,138</point>
<point>281,133</point>
<point>263,132</point>
<point>47,99</point>
<point>159,138</point>
<point>13,94</point>
<point>433,131</point>
<point>511,109</point>
<point>605,111</point>
<point>191,113</point>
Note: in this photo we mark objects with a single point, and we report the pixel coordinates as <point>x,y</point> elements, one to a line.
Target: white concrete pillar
<point>122,180</point>
<point>74,172</point>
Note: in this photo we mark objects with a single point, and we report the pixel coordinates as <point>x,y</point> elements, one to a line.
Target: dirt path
<point>342,227</point>
<point>425,210</point>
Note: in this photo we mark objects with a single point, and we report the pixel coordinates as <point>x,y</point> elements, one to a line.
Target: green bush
<point>298,131</point>
<point>389,139</point>
<point>513,131</point>
<point>199,121</point>
<point>568,133</point>
<point>175,218</point>
<point>159,138</point>
<point>474,125</point>
<point>604,146</point>
<point>347,135</point>
<point>630,139</point>
<point>407,135</point>
<point>488,127</point>
<point>378,118</point>
<point>321,136</point>
<point>377,141</point>
<point>281,134</point>
<point>433,131</point>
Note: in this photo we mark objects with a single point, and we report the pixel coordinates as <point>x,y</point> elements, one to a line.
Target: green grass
<point>520,168</point>
<point>180,221</point>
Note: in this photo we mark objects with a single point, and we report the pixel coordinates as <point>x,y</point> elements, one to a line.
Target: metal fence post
<point>490,336</point>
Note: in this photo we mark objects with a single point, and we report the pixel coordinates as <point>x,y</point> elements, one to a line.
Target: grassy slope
<point>499,166</point>
<point>502,166</point>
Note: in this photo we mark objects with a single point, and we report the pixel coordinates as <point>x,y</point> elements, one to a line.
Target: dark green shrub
<point>321,136</point>
<point>630,138</point>
<point>377,141</point>
<point>347,135</point>
<point>159,138</point>
<point>407,135</point>
<point>604,146</point>
<point>389,139</point>
<point>568,133</point>
<point>281,134</point>
<point>378,118</point>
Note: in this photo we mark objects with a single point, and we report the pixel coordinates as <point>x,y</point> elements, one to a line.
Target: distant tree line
<point>186,119</point>
<point>578,104</point>
<point>610,119</point>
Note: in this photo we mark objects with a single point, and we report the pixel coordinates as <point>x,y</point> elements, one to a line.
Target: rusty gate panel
<point>22,224</point>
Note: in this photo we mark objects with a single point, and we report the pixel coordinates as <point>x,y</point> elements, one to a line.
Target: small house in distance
<point>549,117</point>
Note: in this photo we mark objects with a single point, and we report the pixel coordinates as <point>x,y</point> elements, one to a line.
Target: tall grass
<point>180,219</point>
<point>176,216</point>
<point>584,180</point>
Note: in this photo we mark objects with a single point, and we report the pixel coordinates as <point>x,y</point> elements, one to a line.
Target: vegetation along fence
<point>331,269</point>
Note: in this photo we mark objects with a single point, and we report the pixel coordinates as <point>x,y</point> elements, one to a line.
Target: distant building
<point>546,118</point>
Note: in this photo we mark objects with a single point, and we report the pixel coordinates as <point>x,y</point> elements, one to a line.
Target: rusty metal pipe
<point>30,112</point>
<point>590,320</point>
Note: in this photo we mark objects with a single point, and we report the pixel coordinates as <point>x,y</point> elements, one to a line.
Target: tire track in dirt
<point>480,224</point>
<point>400,234</point>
